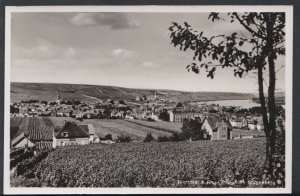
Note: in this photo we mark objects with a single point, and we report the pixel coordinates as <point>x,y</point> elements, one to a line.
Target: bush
<point>149,138</point>
<point>123,139</point>
<point>16,160</point>
<point>163,139</point>
<point>107,137</point>
<point>178,137</point>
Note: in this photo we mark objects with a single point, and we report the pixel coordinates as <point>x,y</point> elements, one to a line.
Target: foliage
<point>26,167</point>
<point>179,105</point>
<point>154,164</point>
<point>191,128</point>
<point>164,115</point>
<point>122,102</point>
<point>13,110</point>
<point>254,54</point>
<point>108,137</point>
<point>16,152</point>
<point>123,139</point>
<point>149,138</point>
<point>19,158</point>
<point>163,139</point>
<point>227,50</point>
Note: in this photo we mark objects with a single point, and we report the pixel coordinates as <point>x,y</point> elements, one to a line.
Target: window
<point>65,134</point>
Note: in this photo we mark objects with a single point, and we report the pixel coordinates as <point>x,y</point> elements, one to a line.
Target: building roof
<point>73,131</point>
<point>34,129</point>
<point>89,128</point>
<point>214,120</point>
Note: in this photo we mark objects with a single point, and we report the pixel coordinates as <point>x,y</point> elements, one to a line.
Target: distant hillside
<point>279,94</point>
<point>48,92</point>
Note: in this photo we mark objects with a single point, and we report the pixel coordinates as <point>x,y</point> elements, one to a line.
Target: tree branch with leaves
<point>256,53</point>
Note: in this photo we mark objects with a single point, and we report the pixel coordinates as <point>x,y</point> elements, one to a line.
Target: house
<point>96,140</point>
<point>238,122</point>
<point>260,126</point>
<point>73,134</point>
<point>179,115</point>
<point>117,114</point>
<point>77,114</point>
<point>21,141</point>
<point>217,127</point>
<point>252,125</point>
<point>138,98</point>
<point>89,128</point>
<point>129,116</point>
<point>39,137</point>
<point>154,116</point>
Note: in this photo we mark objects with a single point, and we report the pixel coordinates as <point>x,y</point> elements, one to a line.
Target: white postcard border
<point>204,9</point>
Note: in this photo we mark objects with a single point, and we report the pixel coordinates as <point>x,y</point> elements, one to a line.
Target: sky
<point>117,49</point>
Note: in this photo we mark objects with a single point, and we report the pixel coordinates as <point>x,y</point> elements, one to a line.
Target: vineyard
<point>153,164</point>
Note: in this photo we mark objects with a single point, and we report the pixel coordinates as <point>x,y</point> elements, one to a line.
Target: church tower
<point>58,98</point>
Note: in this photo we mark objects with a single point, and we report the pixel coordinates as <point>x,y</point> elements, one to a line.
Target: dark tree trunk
<point>271,89</point>
<point>264,108</point>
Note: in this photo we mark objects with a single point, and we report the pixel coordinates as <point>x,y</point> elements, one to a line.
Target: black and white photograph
<point>148,99</point>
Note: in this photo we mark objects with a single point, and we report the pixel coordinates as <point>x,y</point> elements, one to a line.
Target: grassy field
<point>171,127</point>
<point>117,127</point>
<point>169,164</point>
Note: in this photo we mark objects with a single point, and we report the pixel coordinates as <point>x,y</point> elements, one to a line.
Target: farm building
<point>38,137</point>
<point>73,134</point>
<point>37,133</point>
<point>217,127</point>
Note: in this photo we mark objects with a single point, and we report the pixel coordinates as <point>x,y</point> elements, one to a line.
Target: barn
<point>38,137</point>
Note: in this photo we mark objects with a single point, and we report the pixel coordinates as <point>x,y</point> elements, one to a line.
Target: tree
<point>191,129</point>
<point>108,137</point>
<point>149,138</point>
<point>122,102</point>
<point>123,139</point>
<point>179,105</point>
<point>163,139</point>
<point>164,115</point>
<point>246,55</point>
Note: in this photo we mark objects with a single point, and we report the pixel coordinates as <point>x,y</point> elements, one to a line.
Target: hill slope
<point>48,91</point>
